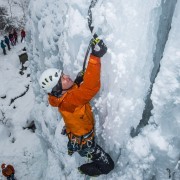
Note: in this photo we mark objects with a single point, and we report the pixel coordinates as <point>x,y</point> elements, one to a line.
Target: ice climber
<point>72,100</point>
<point>8,171</point>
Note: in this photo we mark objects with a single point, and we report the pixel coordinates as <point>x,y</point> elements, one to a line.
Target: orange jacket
<point>7,171</point>
<point>74,104</point>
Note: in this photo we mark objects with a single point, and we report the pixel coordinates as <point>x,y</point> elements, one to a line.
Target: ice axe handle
<point>87,52</point>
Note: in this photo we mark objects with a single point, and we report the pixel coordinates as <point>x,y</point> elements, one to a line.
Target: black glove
<point>54,94</point>
<point>98,48</point>
<point>79,78</point>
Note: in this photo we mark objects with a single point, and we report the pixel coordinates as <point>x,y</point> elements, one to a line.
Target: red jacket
<point>7,171</point>
<point>74,104</point>
<point>23,33</point>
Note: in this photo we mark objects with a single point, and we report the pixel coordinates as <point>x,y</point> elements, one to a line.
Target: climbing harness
<point>77,142</point>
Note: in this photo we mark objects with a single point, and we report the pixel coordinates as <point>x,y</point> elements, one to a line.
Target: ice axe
<point>95,36</point>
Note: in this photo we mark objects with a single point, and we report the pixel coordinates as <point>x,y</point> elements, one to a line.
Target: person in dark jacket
<point>8,171</point>
<point>15,36</point>
<point>11,38</point>
<point>23,34</point>
<point>6,40</point>
<point>3,46</point>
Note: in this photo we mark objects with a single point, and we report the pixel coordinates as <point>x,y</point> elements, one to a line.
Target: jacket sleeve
<point>53,101</point>
<point>12,168</point>
<point>4,173</point>
<point>87,89</point>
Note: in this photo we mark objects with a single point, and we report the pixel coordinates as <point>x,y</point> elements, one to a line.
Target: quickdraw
<point>79,141</point>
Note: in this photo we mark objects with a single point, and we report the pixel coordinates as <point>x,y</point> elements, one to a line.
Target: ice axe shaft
<point>93,3</point>
<point>88,49</point>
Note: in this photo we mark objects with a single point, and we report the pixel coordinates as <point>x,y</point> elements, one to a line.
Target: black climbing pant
<point>22,38</point>
<point>86,147</point>
<point>8,45</point>
<point>101,161</point>
<point>11,177</point>
<point>4,51</point>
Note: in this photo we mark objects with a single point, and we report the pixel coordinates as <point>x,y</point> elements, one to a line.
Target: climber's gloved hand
<point>98,47</point>
<point>79,78</point>
<point>54,94</point>
<point>50,94</point>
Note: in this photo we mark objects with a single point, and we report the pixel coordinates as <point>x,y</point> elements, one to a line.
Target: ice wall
<point>58,37</point>
<point>166,99</point>
<point>130,33</point>
<point>162,37</point>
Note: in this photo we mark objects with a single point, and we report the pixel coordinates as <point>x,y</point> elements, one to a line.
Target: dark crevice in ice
<point>30,126</point>
<point>12,100</point>
<point>165,21</point>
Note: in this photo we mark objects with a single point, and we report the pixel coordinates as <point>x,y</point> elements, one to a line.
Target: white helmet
<point>49,79</point>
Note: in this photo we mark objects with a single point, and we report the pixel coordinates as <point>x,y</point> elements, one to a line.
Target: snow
<point>13,7</point>
<point>58,37</point>
<point>167,88</point>
<point>19,147</point>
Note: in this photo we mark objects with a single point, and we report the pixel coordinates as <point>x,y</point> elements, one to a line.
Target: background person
<point>6,40</point>
<point>8,171</point>
<point>23,34</point>
<point>3,46</point>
